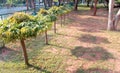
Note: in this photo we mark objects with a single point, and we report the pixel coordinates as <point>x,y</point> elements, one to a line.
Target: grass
<point>69,51</point>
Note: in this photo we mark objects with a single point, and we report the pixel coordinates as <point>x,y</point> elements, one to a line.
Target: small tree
<point>54,11</point>
<point>20,26</point>
<point>48,18</point>
<point>66,9</point>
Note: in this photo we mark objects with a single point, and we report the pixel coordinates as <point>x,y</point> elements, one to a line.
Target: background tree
<point>95,7</point>
<point>76,5</point>
<point>110,15</point>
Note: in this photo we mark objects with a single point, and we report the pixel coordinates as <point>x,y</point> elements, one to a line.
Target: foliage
<point>43,12</point>
<point>20,26</point>
<point>60,10</point>
<point>46,17</point>
<point>20,17</point>
<point>54,10</point>
<point>66,9</point>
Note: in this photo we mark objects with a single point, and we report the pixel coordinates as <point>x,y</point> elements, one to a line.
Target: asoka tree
<point>58,11</point>
<point>65,10</point>
<point>48,18</point>
<point>54,11</point>
<point>20,26</point>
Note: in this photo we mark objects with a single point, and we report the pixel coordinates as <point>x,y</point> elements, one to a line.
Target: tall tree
<point>95,7</point>
<point>75,5</point>
<point>20,29</point>
<point>110,15</point>
<point>116,19</point>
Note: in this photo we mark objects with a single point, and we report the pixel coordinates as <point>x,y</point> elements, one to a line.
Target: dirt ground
<point>93,42</point>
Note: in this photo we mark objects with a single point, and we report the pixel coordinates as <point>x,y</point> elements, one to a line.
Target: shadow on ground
<point>4,51</point>
<point>96,70</point>
<point>93,39</point>
<point>91,53</point>
<point>38,68</point>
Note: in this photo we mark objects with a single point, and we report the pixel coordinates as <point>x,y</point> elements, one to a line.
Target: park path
<point>11,10</point>
<point>4,13</point>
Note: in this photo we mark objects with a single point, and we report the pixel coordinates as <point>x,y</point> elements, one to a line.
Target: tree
<point>112,20</point>
<point>27,5</point>
<point>76,5</point>
<point>95,7</point>
<point>48,18</point>
<point>59,2</point>
<point>20,26</point>
<point>110,15</point>
<point>88,2</point>
<point>116,19</point>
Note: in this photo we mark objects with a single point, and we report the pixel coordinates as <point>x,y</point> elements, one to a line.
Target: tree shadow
<point>92,54</point>
<point>93,39</point>
<point>38,68</point>
<point>14,53</point>
<point>95,70</point>
<point>67,35</point>
<point>4,51</point>
<point>38,41</point>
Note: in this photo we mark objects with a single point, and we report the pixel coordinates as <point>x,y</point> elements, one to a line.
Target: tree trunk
<point>83,1</point>
<point>46,37</point>
<point>24,52</point>
<point>39,2</point>
<point>88,2</point>
<point>51,3</point>
<point>64,18</point>
<point>61,20</point>
<point>64,1</point>
<point>45,3</point>
<point>59,2</point>
<point>33,4</point>
<point>55,27</point>
<point>116,20</point>
<point>110,15</point>
<point>27,4</point>
<point>95,7</point>
<point>76,5</point>
<point>92,6</point>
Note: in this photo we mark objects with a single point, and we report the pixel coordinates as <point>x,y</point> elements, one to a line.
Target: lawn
<point>82,45</point>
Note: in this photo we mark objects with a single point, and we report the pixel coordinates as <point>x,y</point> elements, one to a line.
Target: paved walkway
<point>4,13</point>
<point>11,10</point>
